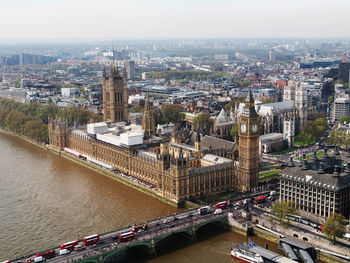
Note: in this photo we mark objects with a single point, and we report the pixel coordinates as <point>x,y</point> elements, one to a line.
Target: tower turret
<point>148,123</point>
<point>249,131</point>
<point>115,96</point>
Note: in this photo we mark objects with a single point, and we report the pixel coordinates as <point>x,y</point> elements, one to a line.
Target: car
<point>79,247</point>
<point>218,211</point>
<point>39,259</point>
<point>313,225</point>
<point>305,222</point>
<point>64,252</point>
<point>29,260</point>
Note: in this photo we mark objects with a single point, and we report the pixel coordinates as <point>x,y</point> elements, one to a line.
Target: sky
<point>158,19</point>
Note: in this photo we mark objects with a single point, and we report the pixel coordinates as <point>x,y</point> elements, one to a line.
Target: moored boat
<point>241,253</point>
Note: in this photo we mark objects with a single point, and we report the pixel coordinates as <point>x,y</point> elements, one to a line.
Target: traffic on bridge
<point>95,245</point>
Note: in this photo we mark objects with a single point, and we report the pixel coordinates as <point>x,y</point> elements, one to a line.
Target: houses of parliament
<point>180,167</point>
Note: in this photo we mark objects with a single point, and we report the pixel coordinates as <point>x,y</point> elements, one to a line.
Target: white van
<point>39,259</point>
<point>218,211</point>
<point>64,252</point>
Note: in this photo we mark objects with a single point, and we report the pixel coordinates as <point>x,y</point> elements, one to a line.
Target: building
<point>114,95</point>
<point>272,55</point>
<point>69,92</point>
<point>183,167</point>
<point>249,131</point>
<point>130,70</point>
<point>148,123</point>
<point>297,91</point>
<point>222,126</point>
<point>28,59</point>
<point>344,71</point>
<point>341,107</point>
<point>319,187</point>
<point>271,142</point>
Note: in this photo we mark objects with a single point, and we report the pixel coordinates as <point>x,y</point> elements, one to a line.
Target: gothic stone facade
<point>176,177</point>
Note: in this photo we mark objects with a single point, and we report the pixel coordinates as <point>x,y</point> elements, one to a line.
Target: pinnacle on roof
<point>249,97</point>
<point>147,104</point>
<point>222,117</point>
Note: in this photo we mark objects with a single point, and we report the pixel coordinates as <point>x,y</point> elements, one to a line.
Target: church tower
<point>114,95</point>
<point>148,124</point>
<point>249,131</point>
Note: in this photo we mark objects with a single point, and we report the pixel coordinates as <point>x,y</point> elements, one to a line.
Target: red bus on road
<point>222,205</point>
<point>260,199</point>
<point>69,245</point>
<point>90,240</point>
<point>126,236</point>
<point>47,254</point>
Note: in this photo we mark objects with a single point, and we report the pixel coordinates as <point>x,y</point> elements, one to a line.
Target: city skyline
<point>154,19</point>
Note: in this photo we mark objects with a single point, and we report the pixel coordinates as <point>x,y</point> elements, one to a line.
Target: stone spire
<point>148,123</point>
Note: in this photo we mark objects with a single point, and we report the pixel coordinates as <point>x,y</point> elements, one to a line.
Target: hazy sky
<point>130,19</point>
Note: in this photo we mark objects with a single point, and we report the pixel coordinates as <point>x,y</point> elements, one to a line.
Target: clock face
<point>243,128</point>
<point>254,128</point>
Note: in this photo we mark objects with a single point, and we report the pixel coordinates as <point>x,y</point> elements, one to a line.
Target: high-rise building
<point>272,55</point>
<point>28,59</point>
<point>249,131</point>
<point>344,71</point>
<point>115,95</point>
<point>130,70</point>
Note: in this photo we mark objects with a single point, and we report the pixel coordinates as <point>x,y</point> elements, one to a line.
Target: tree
<point>172,113</point>
<point>334,226</point>
<point>18,83</point>
<point>234,132</point>
<point>283,208</point>
<point>344,119</point>
<point>245,83</point>
<point>136,108</point>
<point>203,121</point>
<point>312,131</point>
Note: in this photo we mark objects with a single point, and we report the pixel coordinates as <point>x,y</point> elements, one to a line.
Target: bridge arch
<point>187,232</point>
<point>141,244</point>
<point>220,221</point>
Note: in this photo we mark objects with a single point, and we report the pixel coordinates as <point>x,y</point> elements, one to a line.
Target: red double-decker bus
<point>69,245</point>
<point>47,254</point>
<point>90,240</point>
<point>126,236</point>
<point>222,205</point>
<point>260,199</point>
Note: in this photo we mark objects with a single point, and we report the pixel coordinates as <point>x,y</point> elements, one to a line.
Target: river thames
<point>46,200</point>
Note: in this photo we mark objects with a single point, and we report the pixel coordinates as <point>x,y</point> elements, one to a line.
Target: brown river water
<point>46,200</point>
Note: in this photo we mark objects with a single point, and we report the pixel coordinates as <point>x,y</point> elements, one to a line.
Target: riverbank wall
<point>112,175</point>
<point>317,243</point>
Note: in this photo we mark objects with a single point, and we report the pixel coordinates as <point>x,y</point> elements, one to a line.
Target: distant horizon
<point>88,20</point>
<point>40,41</point>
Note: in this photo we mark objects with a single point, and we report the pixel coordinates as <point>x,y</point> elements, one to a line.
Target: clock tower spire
<point>249,131</point>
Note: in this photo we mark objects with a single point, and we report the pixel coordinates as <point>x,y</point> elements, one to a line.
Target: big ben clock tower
<point>249,131</point>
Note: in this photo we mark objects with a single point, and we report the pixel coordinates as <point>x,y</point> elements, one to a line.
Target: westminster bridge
<point>186,223</point>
